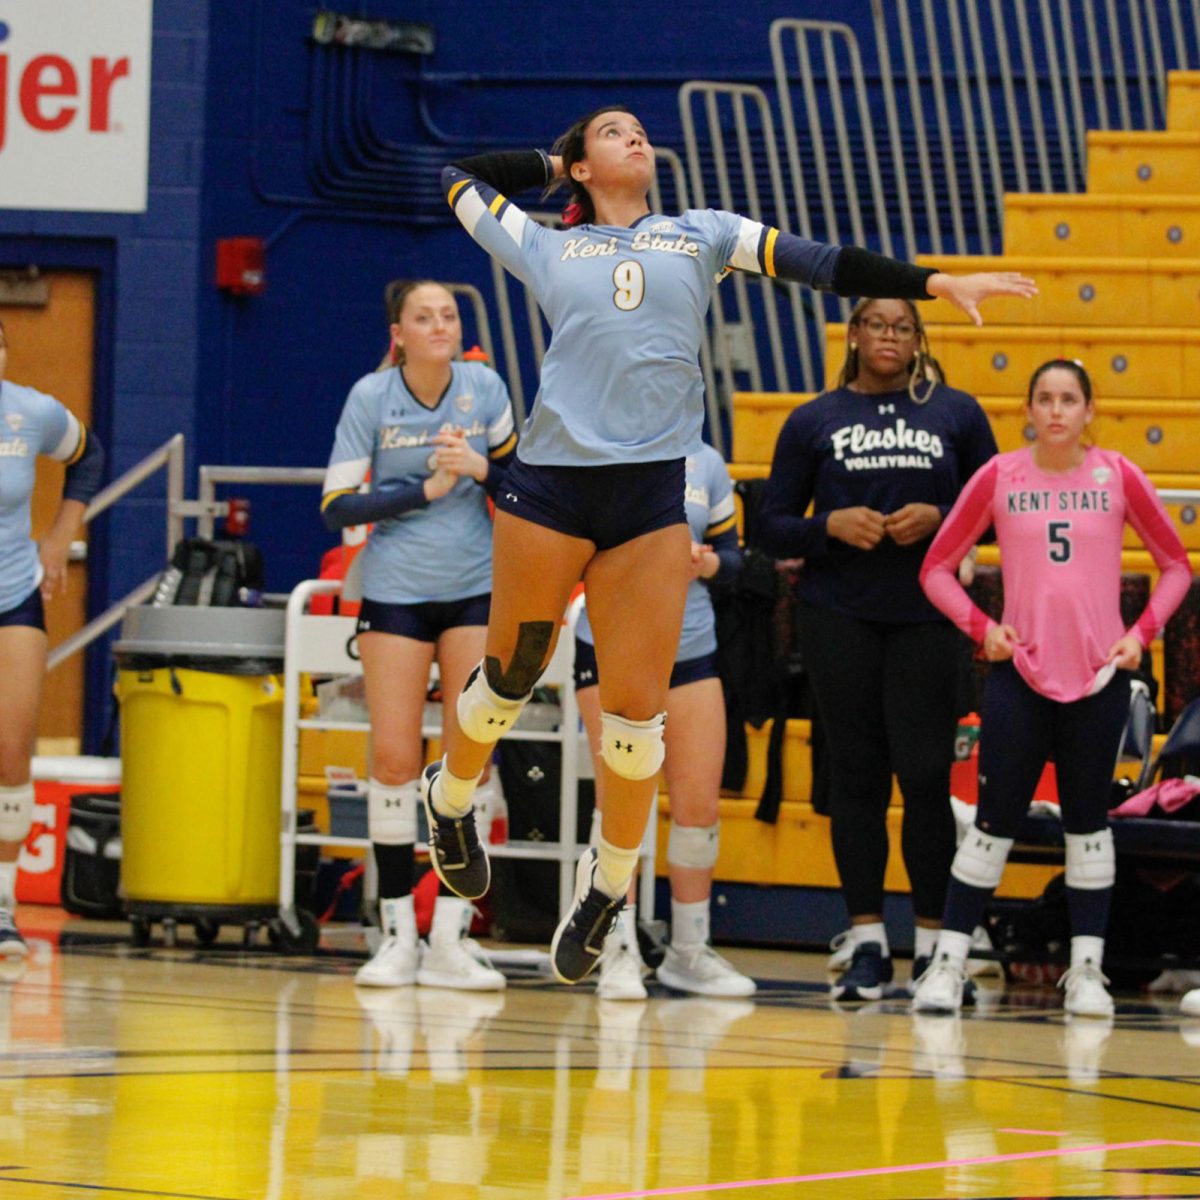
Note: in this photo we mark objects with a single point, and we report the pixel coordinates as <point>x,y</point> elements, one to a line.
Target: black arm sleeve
<point>83,476</point>
<point>497,469</point>
<point>862,273</point>
<point>510,172</point>
<point>729,553</point>
<point>360,508</point>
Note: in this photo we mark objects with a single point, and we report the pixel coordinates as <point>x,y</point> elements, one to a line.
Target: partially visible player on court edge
<point>880,458</point>
<point>1061,656</point>
<point>31,423</point>
<point>596,490</point>
<point>695,755</point>
<point>435,435</point>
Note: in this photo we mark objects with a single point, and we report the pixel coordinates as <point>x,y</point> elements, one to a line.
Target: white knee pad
<point>694,845</point>
<point>483,715</point>
<point>392,813</point>
<point>1091,860</point>
<point>633,749</point>
<point>980,859</point>
<point>16,812</point>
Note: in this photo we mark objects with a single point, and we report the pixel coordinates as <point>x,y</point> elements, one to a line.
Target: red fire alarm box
<point>241,266</point>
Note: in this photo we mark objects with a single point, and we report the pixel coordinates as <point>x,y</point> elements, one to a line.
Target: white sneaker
<point>1086,995</point>
<point>843,951</point>
<point>1190,1004</point>
<point>981,940</point>
<point>620,970</point>
<point>394,964</point>
<point>940,988</point>
<point>703,972</point>
<point>460,964</point>
<point>12,944</point>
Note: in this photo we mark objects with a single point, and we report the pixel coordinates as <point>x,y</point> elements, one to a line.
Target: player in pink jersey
<point>1059,686</point>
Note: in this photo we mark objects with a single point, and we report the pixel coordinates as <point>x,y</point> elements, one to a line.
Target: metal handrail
<point>171,456</point>
<point>206,506</point>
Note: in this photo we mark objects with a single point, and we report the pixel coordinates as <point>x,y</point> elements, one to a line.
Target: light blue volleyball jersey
<point>31,423</point>
<point>439,551</point>
<point>620,382</point>
<point>708,498</point>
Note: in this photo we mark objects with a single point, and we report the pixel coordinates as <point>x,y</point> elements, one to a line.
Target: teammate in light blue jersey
<point>434,435</point>
<point>695,754</point>
<point>31,423</point>
<point>597,487</point>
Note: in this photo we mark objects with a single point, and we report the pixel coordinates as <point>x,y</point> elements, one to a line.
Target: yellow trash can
<point>200,754</point>
<point>200,786</point>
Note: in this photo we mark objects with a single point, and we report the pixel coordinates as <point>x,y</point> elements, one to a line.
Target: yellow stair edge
<point>1085,200</point>
<point>1144,137</point>
<point>1032,263</point>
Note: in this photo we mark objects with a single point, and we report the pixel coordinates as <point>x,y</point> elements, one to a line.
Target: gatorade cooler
<point>55,781</point>
<point>201,742</point>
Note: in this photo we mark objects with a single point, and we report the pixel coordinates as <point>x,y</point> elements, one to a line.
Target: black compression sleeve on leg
<point>509,171</point>
<point>861,273</point>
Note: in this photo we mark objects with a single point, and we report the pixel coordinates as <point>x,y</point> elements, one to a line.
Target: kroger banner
<point>74,104</point>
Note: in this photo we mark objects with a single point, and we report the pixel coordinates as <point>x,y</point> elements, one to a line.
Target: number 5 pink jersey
<point>1060,549</point>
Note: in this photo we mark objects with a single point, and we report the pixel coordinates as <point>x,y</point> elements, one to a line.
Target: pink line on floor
<point>1037,1132</point>
<point>907,1167</point>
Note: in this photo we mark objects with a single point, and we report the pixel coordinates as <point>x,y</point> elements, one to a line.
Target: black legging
<point>886,695</point>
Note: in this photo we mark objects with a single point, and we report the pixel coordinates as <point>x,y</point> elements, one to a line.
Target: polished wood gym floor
<point>225,1074</point>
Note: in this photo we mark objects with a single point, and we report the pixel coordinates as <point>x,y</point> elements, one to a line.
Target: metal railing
<point>169,456</point>
<point>972,98</point>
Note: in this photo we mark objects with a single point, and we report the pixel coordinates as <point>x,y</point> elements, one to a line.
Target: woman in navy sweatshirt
<point>881,459</point>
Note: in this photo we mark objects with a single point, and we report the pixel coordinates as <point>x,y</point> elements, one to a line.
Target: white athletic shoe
<point>460,964</point>
<point>981,940</point>
<point>703,972</point>
<point>620,971</point>
<point>940,988</point>
<point>394,964</point>
<point>842,946</point>
<point>1190,1004</point>
<point>12,944</point>
<point>1086,994</point>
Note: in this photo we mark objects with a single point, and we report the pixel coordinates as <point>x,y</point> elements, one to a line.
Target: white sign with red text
<point>74,104</point>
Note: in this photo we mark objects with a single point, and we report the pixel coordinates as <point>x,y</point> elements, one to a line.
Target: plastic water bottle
<point>168,585</point>
<point>249,597</point>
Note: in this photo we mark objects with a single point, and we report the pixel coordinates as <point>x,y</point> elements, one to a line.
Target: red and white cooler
<point>55,781</point>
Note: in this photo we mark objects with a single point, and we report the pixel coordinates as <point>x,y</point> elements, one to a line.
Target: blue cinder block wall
<point>332,157</point>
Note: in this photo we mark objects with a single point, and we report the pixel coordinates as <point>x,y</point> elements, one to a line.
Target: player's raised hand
<point>969,291</point>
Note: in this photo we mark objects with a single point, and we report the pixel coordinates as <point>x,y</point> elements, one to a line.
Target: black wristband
<point>862,273</point>
<point>510,172</point>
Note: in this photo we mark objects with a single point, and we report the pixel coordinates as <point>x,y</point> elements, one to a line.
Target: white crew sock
<point>874,932</point>
<point>689,924</point>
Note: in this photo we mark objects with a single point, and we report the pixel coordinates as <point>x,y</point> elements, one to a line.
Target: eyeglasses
<point>877,325</point>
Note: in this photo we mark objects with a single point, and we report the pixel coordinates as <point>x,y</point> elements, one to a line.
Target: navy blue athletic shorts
<point>423,622</point>
<point>29,612</point>
<point>608,505</point>
<point>691,670</point>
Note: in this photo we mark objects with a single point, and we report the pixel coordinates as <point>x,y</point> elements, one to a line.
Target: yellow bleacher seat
<point>1113,226</point>
<point>1183,100</point>
<point>1158,435</point>
<point>1082,291</point>
<point>1141,163</point>
<point>994,360</point>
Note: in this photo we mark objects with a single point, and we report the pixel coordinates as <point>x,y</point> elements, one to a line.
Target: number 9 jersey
<point>620,382</point>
